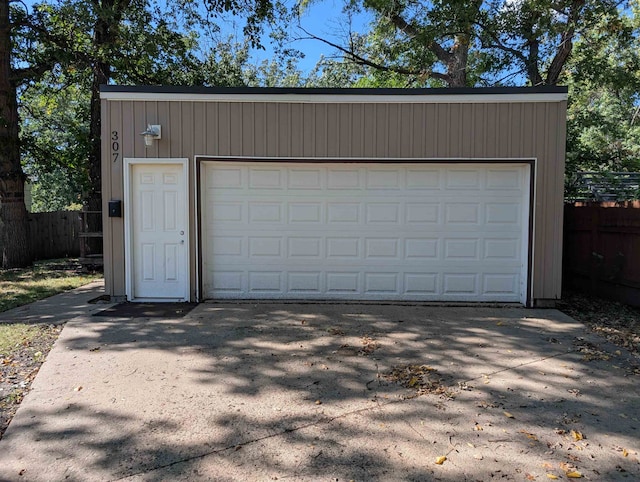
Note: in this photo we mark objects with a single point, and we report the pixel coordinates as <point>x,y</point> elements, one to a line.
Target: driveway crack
<point>322,421</point>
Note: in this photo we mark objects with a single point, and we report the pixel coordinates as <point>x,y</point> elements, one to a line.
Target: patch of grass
<point>43,279</point>
<point>14,336</point>
<point>23,348</point>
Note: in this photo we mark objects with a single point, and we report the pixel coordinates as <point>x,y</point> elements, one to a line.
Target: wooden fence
<point>602,249</point>
<point>55,235</point>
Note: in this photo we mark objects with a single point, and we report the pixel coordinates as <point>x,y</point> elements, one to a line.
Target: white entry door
<point>158,239</point>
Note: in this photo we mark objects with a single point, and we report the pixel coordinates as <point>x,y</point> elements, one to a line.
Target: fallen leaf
<point>531,477</point>
<point>508,415</point>
<point>553,477</point>
<point>574,475</point>
<point>576,435</point>
<point>440,460</point>
<point>625,453</point>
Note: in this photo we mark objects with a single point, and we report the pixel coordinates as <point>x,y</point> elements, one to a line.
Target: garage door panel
<point>466,179</point>
<point>461,249</point>
<point>304,282</point>
<point>502,284</point>
<point>418,232</point>
<point>389,178</point>
<point>460,284</point>
<point>504,179</point>
<point>305,178</point>
<point>422,213</point>
<point>423,179</point>
<point>343,212</point>
<point>343,179</point>
<point>421,284</point>
<point>462,213</point>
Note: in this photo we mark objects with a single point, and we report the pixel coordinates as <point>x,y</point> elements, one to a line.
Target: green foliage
<point>603,119</point>
<point>54,134</point>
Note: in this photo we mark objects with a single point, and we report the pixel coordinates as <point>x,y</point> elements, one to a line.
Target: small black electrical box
<point>115,209</point>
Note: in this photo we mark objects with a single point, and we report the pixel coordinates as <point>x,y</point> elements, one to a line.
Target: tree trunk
<point>93,201</point>
<point>16,252</point>
<point>457,65</point>
<point>101,74</point>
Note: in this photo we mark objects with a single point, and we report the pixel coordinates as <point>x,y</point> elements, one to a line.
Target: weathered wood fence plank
<point>55,234</point>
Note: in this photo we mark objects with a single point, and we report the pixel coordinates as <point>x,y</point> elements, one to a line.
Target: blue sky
<point>322,18</point>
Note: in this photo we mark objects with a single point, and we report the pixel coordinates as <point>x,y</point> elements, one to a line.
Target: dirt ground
<point>20,365</point>
<point>617,322</point>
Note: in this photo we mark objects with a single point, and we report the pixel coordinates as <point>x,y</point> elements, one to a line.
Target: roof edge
<point>173,89</point>
<point>335,96</point>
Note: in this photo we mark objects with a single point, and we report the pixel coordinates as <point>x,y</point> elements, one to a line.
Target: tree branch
<point>18,76</point>
<point>402,25</point>
<point>566,43</point>
<point>358,59</point>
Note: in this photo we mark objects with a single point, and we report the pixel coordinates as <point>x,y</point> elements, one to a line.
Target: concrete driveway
<point>324,392</point>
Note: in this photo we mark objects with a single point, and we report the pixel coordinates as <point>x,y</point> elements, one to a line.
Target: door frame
<point>530,165</point>
<point>129,162</point>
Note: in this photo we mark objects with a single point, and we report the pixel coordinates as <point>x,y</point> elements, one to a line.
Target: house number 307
<point>115,145</point>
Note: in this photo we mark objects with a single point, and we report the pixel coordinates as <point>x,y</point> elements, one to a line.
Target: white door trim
<point>129,162</point>
<point>529,166</point>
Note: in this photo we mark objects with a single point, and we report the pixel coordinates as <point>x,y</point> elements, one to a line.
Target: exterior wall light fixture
<point>153,131</point>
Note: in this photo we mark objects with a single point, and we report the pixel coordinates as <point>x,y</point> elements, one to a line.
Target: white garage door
<point>434,232</point>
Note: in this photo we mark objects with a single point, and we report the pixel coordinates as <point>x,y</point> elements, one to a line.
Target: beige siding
<point>343,130</point>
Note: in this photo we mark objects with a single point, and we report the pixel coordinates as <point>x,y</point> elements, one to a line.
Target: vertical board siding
<point>341,130</point>
<point>106,109</point>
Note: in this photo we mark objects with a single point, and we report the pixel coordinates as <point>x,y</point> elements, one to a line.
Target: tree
<point>130,41</point>
<point>458,43</point>
<point>538,36</point>
<point>427,43</point>
<point>23,58</point>
<point>603,118</point>
<point>13,213</point>
<point>54,115</point>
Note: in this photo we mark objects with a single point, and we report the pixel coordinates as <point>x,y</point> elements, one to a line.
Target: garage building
<point>451,195</point>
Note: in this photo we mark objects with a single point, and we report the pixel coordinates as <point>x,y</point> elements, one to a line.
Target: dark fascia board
<point>170,89</point>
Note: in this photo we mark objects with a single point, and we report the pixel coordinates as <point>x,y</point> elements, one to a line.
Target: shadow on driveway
<point>306,392</point>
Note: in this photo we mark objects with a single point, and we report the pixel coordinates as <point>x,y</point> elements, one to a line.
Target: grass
<point>13,336</point>
<point>43,279</point>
